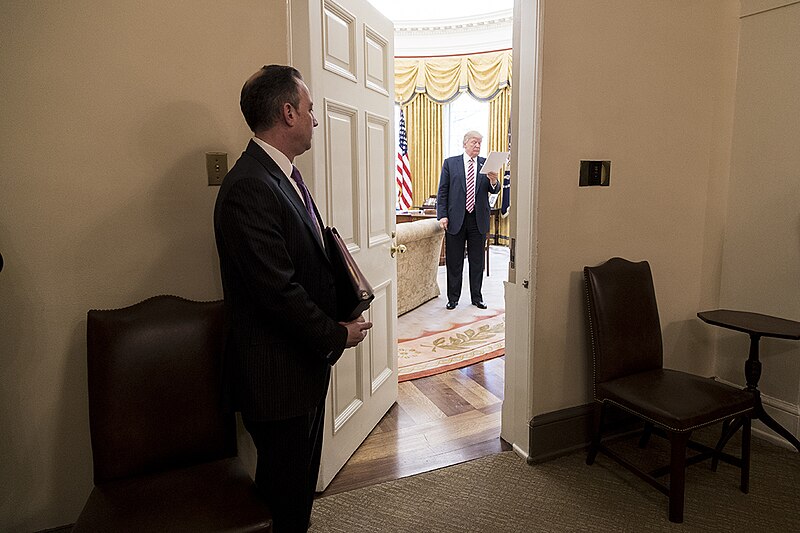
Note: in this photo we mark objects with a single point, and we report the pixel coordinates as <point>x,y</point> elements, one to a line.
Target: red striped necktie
<point>471,186</point>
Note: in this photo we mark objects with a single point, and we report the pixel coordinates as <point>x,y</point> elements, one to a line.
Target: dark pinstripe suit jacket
<point>451,199</point>
<point>279,294</point>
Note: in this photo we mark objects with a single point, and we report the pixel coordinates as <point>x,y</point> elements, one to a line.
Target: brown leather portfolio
<point>353,292</point>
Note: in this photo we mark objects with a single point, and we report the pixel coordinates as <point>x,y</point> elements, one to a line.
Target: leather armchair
<point>164,450</point>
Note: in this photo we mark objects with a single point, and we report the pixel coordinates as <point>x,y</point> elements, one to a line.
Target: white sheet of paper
<point>493,162</point>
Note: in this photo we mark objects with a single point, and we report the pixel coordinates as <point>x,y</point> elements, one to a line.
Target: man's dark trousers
<point>289,483</point>
<point>454,252</point>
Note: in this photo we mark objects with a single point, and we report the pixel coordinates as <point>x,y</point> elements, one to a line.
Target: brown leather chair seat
<point>215,496</point>
<point>702,401</point>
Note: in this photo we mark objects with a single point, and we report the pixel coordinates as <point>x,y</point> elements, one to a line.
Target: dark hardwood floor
<point>437,421</point>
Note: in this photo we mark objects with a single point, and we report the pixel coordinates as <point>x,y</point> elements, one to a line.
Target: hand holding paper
<point>494,162</point>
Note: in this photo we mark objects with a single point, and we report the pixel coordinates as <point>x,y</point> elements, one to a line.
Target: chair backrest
<point>623,319</point>
<point>155,387</point>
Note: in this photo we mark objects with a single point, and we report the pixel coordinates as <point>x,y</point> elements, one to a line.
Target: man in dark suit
<point>281,333</point>
<point>462,207</point>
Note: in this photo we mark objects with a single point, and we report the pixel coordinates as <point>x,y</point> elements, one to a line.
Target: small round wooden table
<point>756,325</point>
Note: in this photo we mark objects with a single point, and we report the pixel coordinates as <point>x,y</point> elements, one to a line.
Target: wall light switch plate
<point>595,173</point>
<point>217,167</point>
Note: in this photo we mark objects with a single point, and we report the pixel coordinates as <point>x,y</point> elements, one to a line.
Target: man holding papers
<point>462,208</point>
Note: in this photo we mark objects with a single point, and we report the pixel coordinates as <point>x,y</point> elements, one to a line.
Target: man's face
<point>472,146</point>
<point>306,121</point>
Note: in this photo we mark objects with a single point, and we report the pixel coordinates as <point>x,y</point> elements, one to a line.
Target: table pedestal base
<point>756,325</point>
<point>730,427</point>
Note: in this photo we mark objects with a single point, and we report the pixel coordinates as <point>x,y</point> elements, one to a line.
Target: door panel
<point>345,51</point>
<point>378,62</point>
<point>384,342</point>
<point>341,156</point>
<point>339,40</point>
<point>347,389</point>
<point>378,151</point>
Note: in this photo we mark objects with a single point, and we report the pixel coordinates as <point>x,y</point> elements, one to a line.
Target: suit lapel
<point>288,190</point>
<point>460,176</point>
<point>478,181</point>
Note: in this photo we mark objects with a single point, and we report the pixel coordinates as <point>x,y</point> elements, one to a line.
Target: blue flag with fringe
<point>507,178</point>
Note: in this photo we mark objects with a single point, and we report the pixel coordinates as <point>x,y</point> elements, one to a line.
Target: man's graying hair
<point>472,134</point>
<point>263,96</point>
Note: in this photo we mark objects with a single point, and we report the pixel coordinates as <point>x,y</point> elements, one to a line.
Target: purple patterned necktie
<point>306,197</point>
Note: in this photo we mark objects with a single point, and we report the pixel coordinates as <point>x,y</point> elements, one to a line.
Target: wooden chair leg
<point>677,476</point>
<point>715,458</point>
<point>646,432</point>
<point>729,429</point>
<point>597,430</point>
<point>745,481</point>
<point>486,250</point>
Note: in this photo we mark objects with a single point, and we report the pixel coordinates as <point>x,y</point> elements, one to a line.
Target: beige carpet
<point>501,493</point>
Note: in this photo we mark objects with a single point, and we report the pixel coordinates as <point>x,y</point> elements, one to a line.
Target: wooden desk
<point>756,325</point>
<point>411,217</point>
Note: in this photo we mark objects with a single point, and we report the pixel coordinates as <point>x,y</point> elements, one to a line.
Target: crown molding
<point>494,20</point>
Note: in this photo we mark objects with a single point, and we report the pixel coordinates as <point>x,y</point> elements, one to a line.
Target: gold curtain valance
<point>443,78</point>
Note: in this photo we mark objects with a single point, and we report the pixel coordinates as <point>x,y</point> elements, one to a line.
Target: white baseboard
<point>519,451</point>
<point>769,435</point>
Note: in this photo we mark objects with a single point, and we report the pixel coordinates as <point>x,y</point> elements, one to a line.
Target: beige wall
<point>761,260</point>
<point>648,85</point>
<point>106,110</point>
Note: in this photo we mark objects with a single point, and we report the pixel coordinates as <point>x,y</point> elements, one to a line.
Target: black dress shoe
<point>451,305</point>
<point>479,305</point>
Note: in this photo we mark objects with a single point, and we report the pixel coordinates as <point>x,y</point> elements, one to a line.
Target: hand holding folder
<point>353,292</point>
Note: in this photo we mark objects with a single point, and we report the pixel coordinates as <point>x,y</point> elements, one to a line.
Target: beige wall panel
<point>761,260</point>
<point>646,85</point>
<point>754,7</point>
<point>108,108</point>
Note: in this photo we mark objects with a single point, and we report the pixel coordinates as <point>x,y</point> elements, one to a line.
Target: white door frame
<point>520,299</point>
<point>520,290</point>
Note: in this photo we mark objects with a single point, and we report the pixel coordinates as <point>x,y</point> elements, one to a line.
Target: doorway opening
<point>442,418</point>
<point>445,416</point>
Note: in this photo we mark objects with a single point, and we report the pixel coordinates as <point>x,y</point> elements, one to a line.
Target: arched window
<point>463,114</point>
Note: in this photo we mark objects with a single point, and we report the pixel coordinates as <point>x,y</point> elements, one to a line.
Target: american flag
<point>403,173</point>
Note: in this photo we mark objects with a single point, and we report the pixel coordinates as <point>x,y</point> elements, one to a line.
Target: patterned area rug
<point>460,346</point>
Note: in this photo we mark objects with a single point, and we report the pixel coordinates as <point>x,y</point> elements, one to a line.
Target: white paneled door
<point>344,48</point>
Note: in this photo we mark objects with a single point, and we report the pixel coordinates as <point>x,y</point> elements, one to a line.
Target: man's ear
<point>289,114</point>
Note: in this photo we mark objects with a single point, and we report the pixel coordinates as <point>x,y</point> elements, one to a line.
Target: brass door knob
<point>397,248</point>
